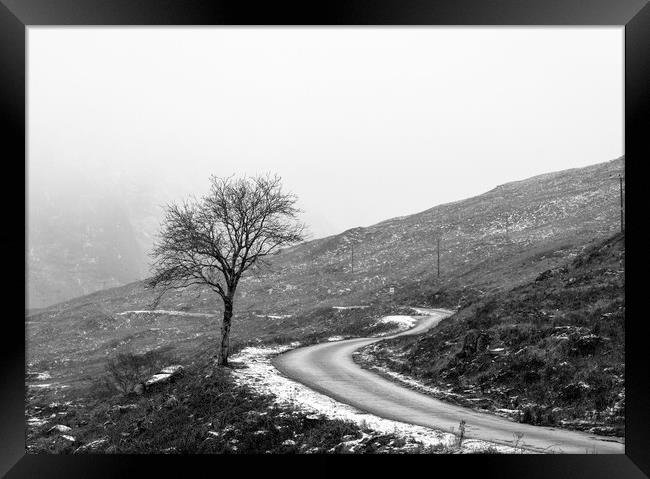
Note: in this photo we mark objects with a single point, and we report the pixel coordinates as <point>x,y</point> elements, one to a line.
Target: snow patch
<point>335,338</point>
<point>49,385</point>
<point>402,322</point>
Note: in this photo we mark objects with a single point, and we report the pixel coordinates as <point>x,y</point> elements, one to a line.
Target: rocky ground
<point>206,409</point>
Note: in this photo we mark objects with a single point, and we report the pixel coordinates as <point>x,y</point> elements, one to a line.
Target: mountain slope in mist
<point>103,238</point>
<point>89,232</point>
<point>551,219</point>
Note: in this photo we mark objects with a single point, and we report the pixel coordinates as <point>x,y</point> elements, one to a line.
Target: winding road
<point>329,369</point>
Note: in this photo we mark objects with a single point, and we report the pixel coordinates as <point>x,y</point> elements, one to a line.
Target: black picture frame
<point>17,15</point>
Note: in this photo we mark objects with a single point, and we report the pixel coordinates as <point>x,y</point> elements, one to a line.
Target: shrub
<point>128,369</point>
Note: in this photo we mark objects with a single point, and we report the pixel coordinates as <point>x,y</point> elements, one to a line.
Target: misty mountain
<point>533,224</point>
<point>91,234</point>
<point>99,239</point>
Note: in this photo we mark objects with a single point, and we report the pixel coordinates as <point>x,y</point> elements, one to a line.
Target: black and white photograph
<point>326,240</point>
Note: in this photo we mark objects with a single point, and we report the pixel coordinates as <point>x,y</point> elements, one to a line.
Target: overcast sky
<point>363,124</point>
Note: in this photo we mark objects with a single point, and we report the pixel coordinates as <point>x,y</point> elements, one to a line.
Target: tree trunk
<point>225,332</point>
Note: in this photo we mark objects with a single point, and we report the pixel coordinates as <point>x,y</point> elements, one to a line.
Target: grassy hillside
<point>481,239</point>
<point>548,352</point>
<point>550,218</point>
<point>202,412</point>
<point>69,352</point>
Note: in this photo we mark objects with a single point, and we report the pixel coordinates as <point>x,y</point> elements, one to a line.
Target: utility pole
<point>620,180</point>
<point>438,251</point>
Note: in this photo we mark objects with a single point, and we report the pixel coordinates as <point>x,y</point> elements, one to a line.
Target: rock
<point>68,438</point>
<point>59,428</point>
<point>177,369</point>
<point>165,375</point>
<point>157,379</point>
<point>311,419</point>
<point>497,351</point>
<point>92,445</point>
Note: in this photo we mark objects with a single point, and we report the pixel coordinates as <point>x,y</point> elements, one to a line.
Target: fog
<point>363,124</point>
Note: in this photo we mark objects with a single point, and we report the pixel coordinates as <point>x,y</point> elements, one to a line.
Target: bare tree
<point>213,241</point>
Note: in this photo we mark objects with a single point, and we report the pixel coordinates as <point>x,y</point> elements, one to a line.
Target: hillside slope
<point>549,352</point>
<point>551,218</point>
<point>481,238</point>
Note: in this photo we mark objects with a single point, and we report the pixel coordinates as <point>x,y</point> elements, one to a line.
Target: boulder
<point>176,369</point>
<point>498,351</point>
<point>59,428</point>
<point>92,445</point>
<point>157,379</point>
<point>164,376</point>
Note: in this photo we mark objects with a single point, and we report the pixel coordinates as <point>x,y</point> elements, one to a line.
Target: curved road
<point>328,368</point>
